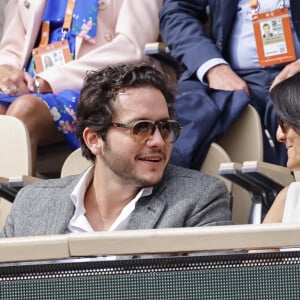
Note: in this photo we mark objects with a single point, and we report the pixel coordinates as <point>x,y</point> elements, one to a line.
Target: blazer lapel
<point>229,7</point>
<point>59,216</point>
<point>295,10</point>
<point>148,210</point>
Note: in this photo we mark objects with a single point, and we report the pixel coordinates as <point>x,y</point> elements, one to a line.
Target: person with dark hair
<point>227,65</point>
<point>126,129</point>
<point>285,98</point>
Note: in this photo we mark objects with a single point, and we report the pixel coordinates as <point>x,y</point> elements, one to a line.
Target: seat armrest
<point>7,192</point>
<point>233,172</point>
<point>9,187</point>
<point>21,181</point>
<point>278,174</point>
<point>258,193</point>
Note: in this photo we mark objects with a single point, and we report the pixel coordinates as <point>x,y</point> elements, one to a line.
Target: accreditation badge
<point>273,37</point>
<point>55,54</point>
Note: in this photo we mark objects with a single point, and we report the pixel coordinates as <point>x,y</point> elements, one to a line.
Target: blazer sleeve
<point>182,29</point>
<point>136,25</point>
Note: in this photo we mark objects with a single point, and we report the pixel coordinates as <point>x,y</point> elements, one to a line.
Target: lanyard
<point>68,17</point>
<point>254,5</point>
<point>65,28</point>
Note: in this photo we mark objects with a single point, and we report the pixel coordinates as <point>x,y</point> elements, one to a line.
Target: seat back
<point>75,163</point>
<point>15,150</point>
<point>297,175</point>
<point>214,157</point>
<point>15,155</point>
<point>243,141</point>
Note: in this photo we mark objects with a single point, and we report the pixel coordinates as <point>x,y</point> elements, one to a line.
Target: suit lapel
<point>229,7</point>
<point>295,10</point>
<point>59,216</point>
<point>148,210</point>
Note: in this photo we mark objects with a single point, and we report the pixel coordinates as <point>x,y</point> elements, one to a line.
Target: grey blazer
<point>184,198</point>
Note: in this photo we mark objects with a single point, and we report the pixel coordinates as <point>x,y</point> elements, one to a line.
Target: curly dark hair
<point>95,109</point>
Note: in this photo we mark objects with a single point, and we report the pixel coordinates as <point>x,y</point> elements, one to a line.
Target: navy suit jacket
<point>205,113</point>
<point>182,28</point>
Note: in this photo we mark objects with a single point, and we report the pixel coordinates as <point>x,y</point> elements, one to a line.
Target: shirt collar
<point>79,223</point>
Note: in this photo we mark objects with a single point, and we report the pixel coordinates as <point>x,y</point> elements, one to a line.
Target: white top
<point>79,223</point>
<point>291,213</point>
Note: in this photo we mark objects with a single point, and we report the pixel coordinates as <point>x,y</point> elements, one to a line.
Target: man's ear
<point>93,141</point>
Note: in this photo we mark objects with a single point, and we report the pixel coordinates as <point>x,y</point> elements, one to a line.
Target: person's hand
<point>43,85</point>
<point>12,81</point>
<point>287,72</point>
<point>222,77</point>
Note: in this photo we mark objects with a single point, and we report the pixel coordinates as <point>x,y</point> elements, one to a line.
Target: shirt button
<point>108,36</point>
<point>101,5</point>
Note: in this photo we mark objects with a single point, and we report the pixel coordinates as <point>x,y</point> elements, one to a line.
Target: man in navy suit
<point>221,70</point>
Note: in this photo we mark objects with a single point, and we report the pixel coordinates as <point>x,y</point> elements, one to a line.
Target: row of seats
<point>242,142</point>
<point>245,134</point>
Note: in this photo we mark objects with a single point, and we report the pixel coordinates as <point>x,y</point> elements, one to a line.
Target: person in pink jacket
<point>77,37</point>
<point>2,5</point>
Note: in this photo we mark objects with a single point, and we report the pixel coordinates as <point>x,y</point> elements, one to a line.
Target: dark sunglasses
<point>142,130</point>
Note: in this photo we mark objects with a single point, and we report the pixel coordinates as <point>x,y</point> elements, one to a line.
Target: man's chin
<point>150,180</point>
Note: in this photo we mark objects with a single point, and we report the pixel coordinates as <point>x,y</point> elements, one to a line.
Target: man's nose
<point>156,138</point>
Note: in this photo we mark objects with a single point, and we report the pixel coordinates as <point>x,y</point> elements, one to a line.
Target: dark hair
<point>95,109</point>
<point>285,97</point>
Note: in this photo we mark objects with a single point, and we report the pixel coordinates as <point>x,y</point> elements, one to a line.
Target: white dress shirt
<point>79,222</point>
<point>291,213</point>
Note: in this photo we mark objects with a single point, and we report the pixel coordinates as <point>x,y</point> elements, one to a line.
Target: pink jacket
<point>123,29</point>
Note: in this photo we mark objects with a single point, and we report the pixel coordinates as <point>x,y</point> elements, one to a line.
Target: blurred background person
<point>88,35</point>
<point>2,7</point>
<point>215,45</point>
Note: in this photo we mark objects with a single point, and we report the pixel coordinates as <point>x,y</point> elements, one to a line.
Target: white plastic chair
<point>243,141</point>
<point>214,157</point>
<point>15,155</point>
<point>75,163</point>
<point>15,150</point>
